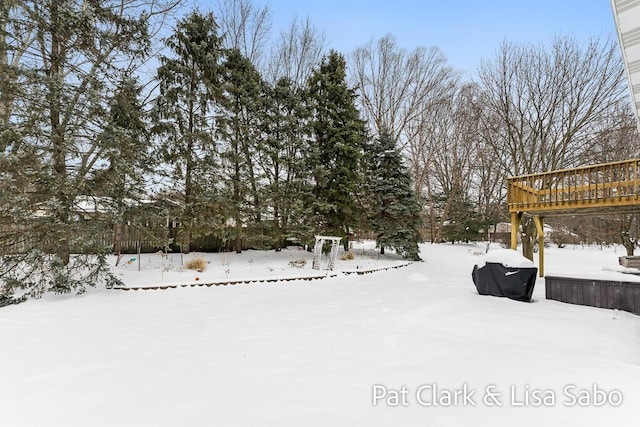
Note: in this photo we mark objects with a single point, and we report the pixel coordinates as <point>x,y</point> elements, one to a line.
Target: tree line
<point>152,111</point>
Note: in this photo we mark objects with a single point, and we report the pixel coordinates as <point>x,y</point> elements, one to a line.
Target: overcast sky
<point>464,30</point>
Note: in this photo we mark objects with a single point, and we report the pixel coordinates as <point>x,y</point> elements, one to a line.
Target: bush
<point>198,264</point>
<point>563,237</point>
<point>347,256</point>
<point>298,263</point>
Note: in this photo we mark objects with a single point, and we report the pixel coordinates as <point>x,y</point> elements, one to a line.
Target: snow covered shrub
<point>198,264</point>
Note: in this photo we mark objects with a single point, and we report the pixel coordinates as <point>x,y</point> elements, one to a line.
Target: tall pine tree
<point>394,213</point>
<point>66,75</point>
<point>283,160</point>
<point>240,130</point>
<point>125,143</point>
<point>338,138</point>
<point>184,115</point>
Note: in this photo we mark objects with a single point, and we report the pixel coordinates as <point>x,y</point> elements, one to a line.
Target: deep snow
<point>314,353</point>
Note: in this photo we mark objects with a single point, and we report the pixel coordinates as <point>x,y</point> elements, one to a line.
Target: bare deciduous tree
<point>246,27</point>
<point>489,180</point>
<point>616,138</point>
<point>452,140</point>
<point>547,101</point>
<point>403,91</point>
<point>297,53</point>
<point>397,86</point>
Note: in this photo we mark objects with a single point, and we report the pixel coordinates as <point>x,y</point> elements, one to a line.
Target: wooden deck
<point>605,188</point>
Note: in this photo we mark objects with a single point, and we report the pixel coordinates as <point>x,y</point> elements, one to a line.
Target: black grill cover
<point>500,281</point>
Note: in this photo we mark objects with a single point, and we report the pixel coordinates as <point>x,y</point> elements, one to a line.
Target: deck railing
<point>613,185</point>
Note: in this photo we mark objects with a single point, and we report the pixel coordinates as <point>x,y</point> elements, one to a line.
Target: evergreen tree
<point>394,213</point>
<point>240,130</point>
<point>124,142</point>
<point>283,158</point>
<point>463,222</point>
<point>338,135</point>
<point>65,76</point>
<point>184,118</point>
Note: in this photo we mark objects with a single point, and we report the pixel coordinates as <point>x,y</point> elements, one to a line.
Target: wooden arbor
<point>605,188</point>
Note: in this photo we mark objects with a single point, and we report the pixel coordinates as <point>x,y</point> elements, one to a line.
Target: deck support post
<point>539,222</point>
<point>608,187</point>
<point>515,222</point>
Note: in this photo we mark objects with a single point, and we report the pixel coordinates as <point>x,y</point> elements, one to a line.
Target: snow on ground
<point>158,269</point>
<point>317,353</point>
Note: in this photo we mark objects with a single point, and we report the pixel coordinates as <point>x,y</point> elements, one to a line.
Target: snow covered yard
<point>318,353</point>
<point>158,269</point>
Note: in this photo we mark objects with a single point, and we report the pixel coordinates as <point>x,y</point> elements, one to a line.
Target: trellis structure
<point>605,188</point>
<point>333,255</point>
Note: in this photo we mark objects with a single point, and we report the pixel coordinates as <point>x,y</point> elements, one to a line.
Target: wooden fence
<point>87,238</point>
<point>610,294</point>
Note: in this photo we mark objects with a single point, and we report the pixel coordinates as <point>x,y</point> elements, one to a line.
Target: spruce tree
<point>55,117</point>
<point>184,118</point>
<point>394,213</point>
<point>283,158</point>
<point>464,222</point>
<point>338,138</point>
<point>122,184</point>
<point>239,129</point>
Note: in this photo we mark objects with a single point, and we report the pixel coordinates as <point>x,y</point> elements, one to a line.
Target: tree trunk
<point>626,222</point>
<point>238,243</point>
<point>186,240</point>
<point>237,194</point>
<point>529,236</point>
<point>628,244</point>
<point>432,214</point>
<point>58,143</point>
<point>238,226</point>
<point>117,239</point>
<point>255,192</point>
<point>278,240</point>
<point>345,245</point>
<point>443,219</point>
<point>276,210</point>
<point>4,86</point>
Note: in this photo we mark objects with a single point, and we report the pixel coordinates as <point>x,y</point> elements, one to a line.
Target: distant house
<point>500,233</point>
